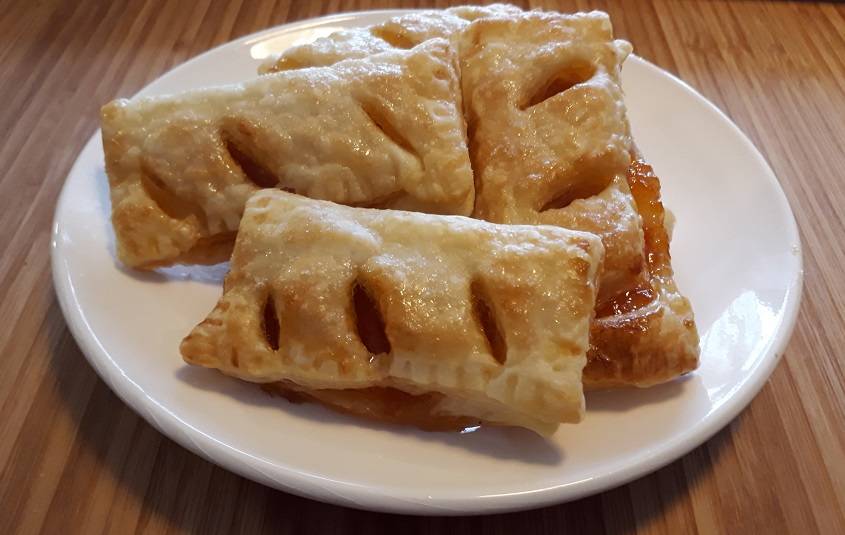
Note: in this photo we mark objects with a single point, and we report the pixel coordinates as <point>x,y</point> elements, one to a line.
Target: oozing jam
<point>645,188</point>
<point>626,301</point>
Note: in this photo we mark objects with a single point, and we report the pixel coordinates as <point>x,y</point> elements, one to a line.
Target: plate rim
<point>350,494</point>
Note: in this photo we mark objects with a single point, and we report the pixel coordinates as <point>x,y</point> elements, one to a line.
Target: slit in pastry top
<point>385,130</point>
<point>491,319</point>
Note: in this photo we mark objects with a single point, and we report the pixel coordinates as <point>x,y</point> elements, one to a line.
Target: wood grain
<point>74,458</point>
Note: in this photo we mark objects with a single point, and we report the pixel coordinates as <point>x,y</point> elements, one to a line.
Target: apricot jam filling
<point>645,188</point>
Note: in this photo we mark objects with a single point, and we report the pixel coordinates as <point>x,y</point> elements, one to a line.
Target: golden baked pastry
<point>401,32</point>
<point>432,316</point>
<point>383,131</point>
<point>550,144</point>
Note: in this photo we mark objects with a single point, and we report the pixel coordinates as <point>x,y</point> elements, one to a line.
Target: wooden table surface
<point>74,458</point>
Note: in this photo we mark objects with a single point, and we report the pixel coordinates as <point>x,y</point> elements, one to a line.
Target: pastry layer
<point>382,131</point>
<point>494,319</point>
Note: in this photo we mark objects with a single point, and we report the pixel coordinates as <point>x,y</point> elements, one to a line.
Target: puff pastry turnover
<point>550,144</point>
<point>423,316</point>
<point>385,130</point>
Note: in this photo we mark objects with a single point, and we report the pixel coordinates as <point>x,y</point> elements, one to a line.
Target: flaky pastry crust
<point>550,144</point>
<point>382,131</point>
<point>489,321</point>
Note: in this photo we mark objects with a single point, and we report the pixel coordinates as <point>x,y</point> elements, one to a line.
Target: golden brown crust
<point>549,157</point>
<point>550,144</point>
<point>493,318</point>
<point>383,131</point>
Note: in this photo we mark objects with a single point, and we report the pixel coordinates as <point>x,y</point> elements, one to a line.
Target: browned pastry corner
<point>645,334</point>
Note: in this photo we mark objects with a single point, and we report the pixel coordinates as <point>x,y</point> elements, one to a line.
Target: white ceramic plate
<point>737,256</point>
